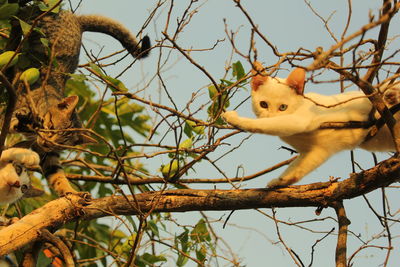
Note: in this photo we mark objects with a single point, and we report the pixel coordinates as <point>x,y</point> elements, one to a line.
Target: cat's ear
<point>68,104</point>
<point>258,79</point>
<point>296,80</point>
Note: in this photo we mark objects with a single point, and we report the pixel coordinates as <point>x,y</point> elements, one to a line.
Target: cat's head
<point>59,126</point>
<point>273,96</point>
<point>15,182</point>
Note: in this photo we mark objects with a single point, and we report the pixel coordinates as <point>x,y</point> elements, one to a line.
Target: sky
<point>290,25</point>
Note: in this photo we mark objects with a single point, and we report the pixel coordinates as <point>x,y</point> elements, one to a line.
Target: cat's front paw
<point>279,182</point>
<point>24,156</point>
<point>230,117</point>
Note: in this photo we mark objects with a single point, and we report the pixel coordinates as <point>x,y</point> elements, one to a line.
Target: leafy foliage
<point>118,123</point>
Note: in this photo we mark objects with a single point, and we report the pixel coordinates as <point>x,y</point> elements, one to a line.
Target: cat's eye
<point>263,104</point>
<point>283,107</point>
<point>24,188</point>
<point>18,168</point>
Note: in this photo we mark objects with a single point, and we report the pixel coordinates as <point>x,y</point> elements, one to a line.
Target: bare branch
<point>341,246</point>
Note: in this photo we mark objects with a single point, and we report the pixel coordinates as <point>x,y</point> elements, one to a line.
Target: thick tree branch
<point>28,229</point>
<point>63,210</point>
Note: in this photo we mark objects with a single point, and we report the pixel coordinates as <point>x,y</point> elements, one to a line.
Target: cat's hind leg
<point>301,166</point>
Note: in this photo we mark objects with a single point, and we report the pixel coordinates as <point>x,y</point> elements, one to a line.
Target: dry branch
<point>63,210</point>
<point>341,246</point>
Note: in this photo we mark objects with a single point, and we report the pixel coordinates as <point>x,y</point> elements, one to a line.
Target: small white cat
<point>14,179</point>
<point>283,110</point>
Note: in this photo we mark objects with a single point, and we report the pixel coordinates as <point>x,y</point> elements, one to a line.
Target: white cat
<point>14,179</point>
<point>283,110</point>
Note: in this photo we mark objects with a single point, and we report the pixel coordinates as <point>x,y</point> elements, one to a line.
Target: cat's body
<point>14,179</point>
<point>283,110</point>
<point>45,106</point>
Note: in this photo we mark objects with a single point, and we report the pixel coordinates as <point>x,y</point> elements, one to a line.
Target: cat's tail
<point>96,23</point>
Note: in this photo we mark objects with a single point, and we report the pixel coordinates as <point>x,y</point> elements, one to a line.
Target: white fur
<point>10,193</point>
<point>299,124</point>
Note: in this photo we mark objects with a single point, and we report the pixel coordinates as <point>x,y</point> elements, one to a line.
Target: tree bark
<point>69,208</point>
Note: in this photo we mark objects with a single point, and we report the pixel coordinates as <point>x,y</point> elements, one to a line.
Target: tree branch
<point>66,209</point>
<point>60,245</point>
<point>12,101</point>
<point>341,246</point>
<point>380,46</point>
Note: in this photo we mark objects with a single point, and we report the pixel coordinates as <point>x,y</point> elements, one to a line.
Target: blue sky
<point>289,24</point>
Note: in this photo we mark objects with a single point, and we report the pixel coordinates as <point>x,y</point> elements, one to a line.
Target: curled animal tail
<point>96,23</point>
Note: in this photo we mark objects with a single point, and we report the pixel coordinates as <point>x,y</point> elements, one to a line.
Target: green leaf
<point>48,4</point>
<point>132,222</point>
<point>188,129</point>
<point>191,126</point>
<point>186,144</point>
<point>152,226</point>
<point>171,169</point>
<point>212,91</point>
<point>183,238</point>
<point>116,84</point>
<point>151,259</point>
<point>182,260</point>
<point>96,69</point>
<point>104,190</point>
<point>45,42</point>
<point>201,253</point>
<point>8,10</point>
<point>200,232</point>
<point>118,234</point>
<point>76,85</point>
<point>238,70</point>
<point>220,121</point>
<point>26,27</point>
<point>226,82</point>
<point>125,108</point>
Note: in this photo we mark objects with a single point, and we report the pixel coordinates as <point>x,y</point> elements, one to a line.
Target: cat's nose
<point>16,184</point>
